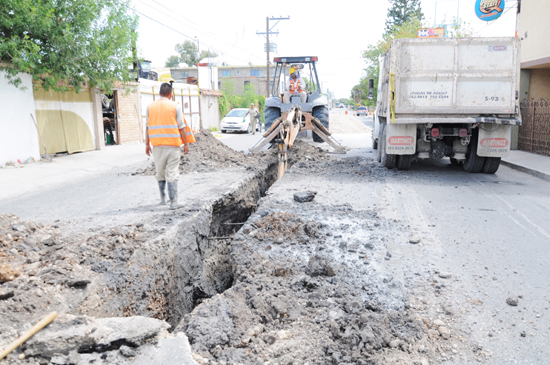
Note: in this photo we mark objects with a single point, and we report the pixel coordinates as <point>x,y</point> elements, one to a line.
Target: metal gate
<point>534,132</point>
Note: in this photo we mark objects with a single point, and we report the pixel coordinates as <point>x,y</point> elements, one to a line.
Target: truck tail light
<point>435,132</point>
<point>463,132</point>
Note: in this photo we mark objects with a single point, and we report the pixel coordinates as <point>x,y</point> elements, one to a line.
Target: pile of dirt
<point>206,154</point>
<point>347,124</point>
<point>42,270</point>
<point>320,303</point>
<point>284,227</point>
<point>209,154</point>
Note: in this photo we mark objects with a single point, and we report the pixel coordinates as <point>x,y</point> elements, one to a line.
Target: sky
<point>337,32</point>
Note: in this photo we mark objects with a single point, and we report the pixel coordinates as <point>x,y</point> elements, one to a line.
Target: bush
<point>230,100</point>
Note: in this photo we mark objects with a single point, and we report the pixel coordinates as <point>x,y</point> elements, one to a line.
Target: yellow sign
<point>357,104</point>
<point>431,33</point>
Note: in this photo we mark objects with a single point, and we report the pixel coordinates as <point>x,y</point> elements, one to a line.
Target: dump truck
<point>284,119</point>
<point>451,98</point>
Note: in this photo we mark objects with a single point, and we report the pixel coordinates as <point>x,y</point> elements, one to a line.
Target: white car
<point>236,121</point>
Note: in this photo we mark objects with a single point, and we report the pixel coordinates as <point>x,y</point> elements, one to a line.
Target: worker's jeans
<point>167,163</point>
<point>253,124</point>
<point>303,96</point>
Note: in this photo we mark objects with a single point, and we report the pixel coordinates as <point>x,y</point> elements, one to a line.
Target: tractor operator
<point>296,87</point>
<point>166,131</point>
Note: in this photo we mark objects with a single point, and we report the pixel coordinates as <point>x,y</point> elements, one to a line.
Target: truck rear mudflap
<point>494,140</point>
<point>401,139</point>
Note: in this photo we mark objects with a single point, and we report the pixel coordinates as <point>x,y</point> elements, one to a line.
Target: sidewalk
<point>530,163</point>
<point>31,178</point>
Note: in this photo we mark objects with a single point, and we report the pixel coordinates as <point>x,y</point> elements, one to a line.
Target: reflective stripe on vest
<point>163,126</point>
<point>298,87</point>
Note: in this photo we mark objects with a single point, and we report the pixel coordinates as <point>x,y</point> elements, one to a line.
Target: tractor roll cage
<point>283,61</point>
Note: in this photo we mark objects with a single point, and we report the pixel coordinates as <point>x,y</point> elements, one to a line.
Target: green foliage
<point>402,11</point>
<point>172,62</point>
<point>230,99</point>
<point>188,51</point>
<point>64,43</point>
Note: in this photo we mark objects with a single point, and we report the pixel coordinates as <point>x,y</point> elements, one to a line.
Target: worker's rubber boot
<point>173,194</point>
<point>162,188</point>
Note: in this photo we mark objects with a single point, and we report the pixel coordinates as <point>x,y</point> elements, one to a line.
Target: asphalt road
<point>491,233</point>
<point>243,141</point>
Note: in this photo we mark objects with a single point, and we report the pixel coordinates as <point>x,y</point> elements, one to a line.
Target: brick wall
<point>129,119</point>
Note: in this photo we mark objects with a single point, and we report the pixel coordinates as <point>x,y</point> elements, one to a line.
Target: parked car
<point>236,121</point>
<point>362,111</point>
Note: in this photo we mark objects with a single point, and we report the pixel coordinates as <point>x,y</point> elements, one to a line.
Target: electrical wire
<point>183,34</point>
<point>488,25</point>
<point>199,29</point>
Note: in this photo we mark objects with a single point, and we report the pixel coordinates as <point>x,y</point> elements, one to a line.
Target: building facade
<point>534,134</point>
<point>236,78</point>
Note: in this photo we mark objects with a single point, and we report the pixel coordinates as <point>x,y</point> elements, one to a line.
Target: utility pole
<point>267,33</point>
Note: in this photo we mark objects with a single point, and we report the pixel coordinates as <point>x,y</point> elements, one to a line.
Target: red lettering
<point>401,141</point>
<point>494,142</point>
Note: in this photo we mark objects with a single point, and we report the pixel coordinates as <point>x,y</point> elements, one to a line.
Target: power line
<point>213,36</point>
<point>183,34</point>
<point>488,25</point>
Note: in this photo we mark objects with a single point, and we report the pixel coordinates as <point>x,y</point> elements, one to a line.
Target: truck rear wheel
<point>270,115</point>
<point>491,165</point>
<point>386,159</point>
<point>473,163</point>
<point>320,113</point>
<point>404,162</point>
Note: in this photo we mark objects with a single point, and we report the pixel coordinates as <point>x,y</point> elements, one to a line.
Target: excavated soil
<point>209,154</point>
<point>251,278</point>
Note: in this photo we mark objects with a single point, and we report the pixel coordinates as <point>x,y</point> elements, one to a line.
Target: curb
<point>535,173</point>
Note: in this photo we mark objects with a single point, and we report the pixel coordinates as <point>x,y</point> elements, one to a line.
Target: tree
<point>172,61</point>
<point>64,43</point>
<point>408,29</point>
<point>188,51</point>
<point>400,12</point>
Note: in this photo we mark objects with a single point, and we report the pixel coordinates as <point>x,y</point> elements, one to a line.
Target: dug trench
<point>253,277</point>
<point>154,271</point>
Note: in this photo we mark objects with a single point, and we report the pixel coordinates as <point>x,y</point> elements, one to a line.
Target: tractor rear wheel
<point>270,115</point>
<point>321,113</point>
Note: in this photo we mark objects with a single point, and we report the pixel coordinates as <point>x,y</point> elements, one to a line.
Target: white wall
<point>190,104</point>
<point>18,135</point>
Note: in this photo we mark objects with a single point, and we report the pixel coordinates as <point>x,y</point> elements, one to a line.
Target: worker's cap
<point>251,104</point>
<point>292,70</point>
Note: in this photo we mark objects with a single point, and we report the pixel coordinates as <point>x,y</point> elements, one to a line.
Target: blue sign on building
<point>488,10</point>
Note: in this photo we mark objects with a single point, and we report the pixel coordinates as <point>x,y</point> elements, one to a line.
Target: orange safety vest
<point>294,88</point>
<point>162,126</point>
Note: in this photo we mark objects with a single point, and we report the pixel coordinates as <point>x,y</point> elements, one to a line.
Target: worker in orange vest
<point>296,87</point>
<point>166,131</point>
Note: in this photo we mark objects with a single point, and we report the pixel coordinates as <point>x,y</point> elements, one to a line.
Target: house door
<point>65,120</point>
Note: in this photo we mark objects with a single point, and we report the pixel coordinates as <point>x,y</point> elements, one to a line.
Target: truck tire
<point>374,144</point>
<point>270,115</point>
<point>404,162</point>
<point>386,160</point>
<point>473,163</point>
<point>491,165</point>
<point>379,151</point>
<point>321,113</point>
